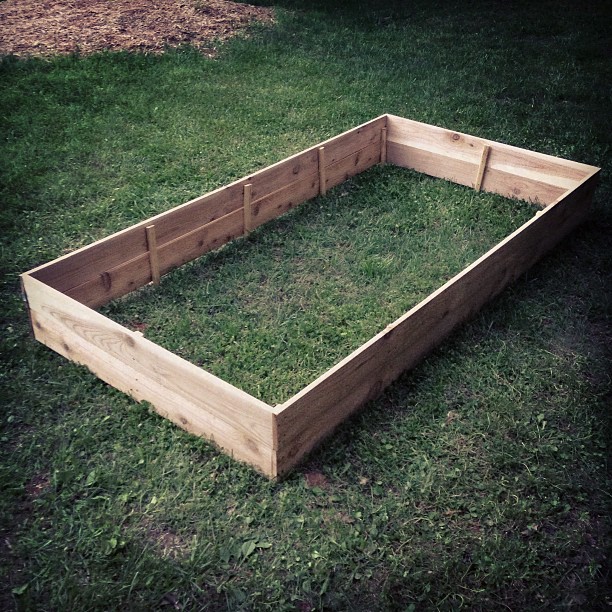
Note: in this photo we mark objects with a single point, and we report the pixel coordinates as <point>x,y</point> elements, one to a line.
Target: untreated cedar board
<point>284,199</point>
<point>83,267</point>
<point>129,276</point>
<point>313,413</point>
<point>298,167</point>
<point>341,146</point>
<point>469,148</point>
<point>337,170</point>
<point>510,171</point>
<point>349,166</point>
<point>136,272</point>
<point>192,398</point>
<point>464,173</point>
<point>274,440</point>
<point>88,262</point>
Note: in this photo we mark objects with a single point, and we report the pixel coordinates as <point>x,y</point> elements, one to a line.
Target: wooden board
<point>114,265</point>
<point>313,413</point>
<point>85,264</point>
<point>345,156</point>
<point>510,171</point>
<point>279,202</point>
<point>187,395</point>
<point>274,440</point>
<point>129,276</point>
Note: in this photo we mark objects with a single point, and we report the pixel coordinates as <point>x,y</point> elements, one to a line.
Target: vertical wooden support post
<point>153,259</point>
<point>248,211</point>
<point>322,177</point>
<point>383,146</point>
<point>107,281</point>
<point>482,167</point>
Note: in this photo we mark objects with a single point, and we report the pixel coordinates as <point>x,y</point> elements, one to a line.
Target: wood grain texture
<point>482,167</point>
<point>510,171</point>
<point>135,273</point>
<point>344,156</point>
<point>190,397</point>
<point>383,145</point>
<point>347,143</point>
<point>93,265</point>
<point>313,413</point>
<point>82,265</point>
<point>469,148</point>
<point>279,202</point>
<point>153,258</point>
<point>275,439</point>
<point>248,209</point>
<point>322,168</point>
<point>347,167</point>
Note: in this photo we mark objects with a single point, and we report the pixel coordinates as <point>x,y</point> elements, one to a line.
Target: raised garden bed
<point>62,295</point>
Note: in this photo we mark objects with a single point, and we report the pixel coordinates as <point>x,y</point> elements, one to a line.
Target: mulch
<point>52,27</point>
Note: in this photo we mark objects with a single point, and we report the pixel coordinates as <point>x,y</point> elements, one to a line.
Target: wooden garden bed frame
<point>62,295</point>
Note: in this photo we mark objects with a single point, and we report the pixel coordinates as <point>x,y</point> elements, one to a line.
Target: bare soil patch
<point>51,27</point>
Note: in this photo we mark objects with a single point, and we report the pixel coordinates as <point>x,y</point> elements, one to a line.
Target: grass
<point>479,481</point>
<point>272,314</point>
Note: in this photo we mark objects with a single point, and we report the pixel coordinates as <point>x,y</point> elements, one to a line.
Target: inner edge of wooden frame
<point>590,172</point>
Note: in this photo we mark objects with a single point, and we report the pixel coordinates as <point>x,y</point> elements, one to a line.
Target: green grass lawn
<point>273,313</point>
<point>480,480</point>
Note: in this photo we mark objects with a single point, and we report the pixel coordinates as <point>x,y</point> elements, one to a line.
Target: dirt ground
<point>49,27</point>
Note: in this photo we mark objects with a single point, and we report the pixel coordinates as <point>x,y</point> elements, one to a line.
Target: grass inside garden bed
<point>480,481</point>
<point>271,313</point>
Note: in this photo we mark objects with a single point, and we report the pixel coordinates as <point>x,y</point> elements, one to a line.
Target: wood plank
<point>431,138</point>
<point>153,259</point>
<point>283,173</point>
<point>135,273</point>
<point>305,163</point>
<point>345,155</point>
<point>313,413</point>
<point>511,171</point>
<point>486,149</point>
<point>360,137</point>
<point>248,210</point>
<point>105,285</point>
<point>383,146</point>
<point>495,180</point>
<point>201,240</point>
<point>277,203</point>
<point>296,167</point>
<point>537,166</point>
<point>510,185</point>
<point>468,148</point>
<point>190,397</point>
<point>452,169</point>
<point>84,265</point>
<point>352,165</point>
<point>322,181</point>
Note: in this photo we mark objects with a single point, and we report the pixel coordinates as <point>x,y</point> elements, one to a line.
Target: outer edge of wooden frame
<point>275,439</point>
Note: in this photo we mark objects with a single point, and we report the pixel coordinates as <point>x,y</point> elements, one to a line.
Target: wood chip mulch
<point>51,27</point>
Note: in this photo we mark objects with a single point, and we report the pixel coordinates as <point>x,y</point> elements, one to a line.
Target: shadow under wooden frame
<point>63,294</point>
